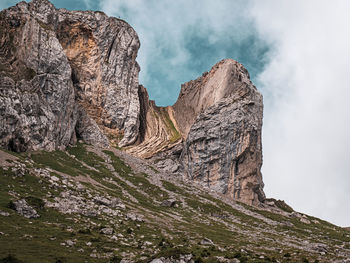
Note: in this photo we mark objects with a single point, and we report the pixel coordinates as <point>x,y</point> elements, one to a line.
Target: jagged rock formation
<point>70,74</point>
<point>37,109</point>
<point>212,133</point>
<point>57,65</point>
<point>101,51</point>
<point>223,145</point>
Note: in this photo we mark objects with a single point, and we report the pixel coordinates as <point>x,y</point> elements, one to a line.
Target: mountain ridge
<point>91,170</point>
<point>83,83</point>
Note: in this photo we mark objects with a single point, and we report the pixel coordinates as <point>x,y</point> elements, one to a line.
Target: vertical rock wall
<point>223,132</point>
<point>66,74</point>
<point>37,109</point>
<point>218,120</point>
<point>102,53</point>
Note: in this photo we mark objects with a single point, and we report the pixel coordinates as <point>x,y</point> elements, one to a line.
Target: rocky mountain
<point>91,170</point>
<point>72,74</point>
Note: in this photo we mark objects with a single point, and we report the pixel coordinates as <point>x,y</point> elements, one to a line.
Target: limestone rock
<point>223,145</point>
<point>64,72</point>
<point>134,217</point>
<point>24,209</point>
<point>101,51</point>
<point>107,231</point>
<point>207,242</point>
<point>169,203</point>
<point>19,169</point>
<point>212,134</point>
<point>37,109</point>
<point>89,131</point>
<point>178,259</point>
<point>3,213</point>
<point>70,243</point>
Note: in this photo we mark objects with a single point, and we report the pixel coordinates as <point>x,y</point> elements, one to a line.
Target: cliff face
<point>101,51</point>
<point>66,74</point>
<point>70,74</point>
<point>223,136</point>
<point>37,109</point>
<point>158,131</point>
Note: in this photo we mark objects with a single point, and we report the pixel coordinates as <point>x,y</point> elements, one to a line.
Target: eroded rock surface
<point>223,145</point>
<point>24,209</point>
<point>158,130</point>
<point>58,66</point>
<point>102,53</point>
<point>37,109</point>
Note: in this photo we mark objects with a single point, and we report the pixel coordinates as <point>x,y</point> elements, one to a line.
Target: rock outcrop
<point>68,75</point>
<point>102,52</point>
<point>212,134</point>
<point>58,66</point>
<point>223,131</point>
<point>37,109</point>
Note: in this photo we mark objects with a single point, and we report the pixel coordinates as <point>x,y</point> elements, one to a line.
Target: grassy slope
<point>238,231</point>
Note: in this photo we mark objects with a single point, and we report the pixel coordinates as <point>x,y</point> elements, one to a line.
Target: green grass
<point>120,167</point>
<point>59,161</point>
<point>37,246</point>
<point>175,134</point>
<point>153,169</point>
<point>170,231</point>
<point>206,208</point>
<point>173,188</point>
<point>141,181</point>
<point>90,158</point>
<point>21,156</point>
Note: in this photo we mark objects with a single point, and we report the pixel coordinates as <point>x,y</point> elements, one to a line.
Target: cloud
<point>182,39</point>
<point>307,88</point>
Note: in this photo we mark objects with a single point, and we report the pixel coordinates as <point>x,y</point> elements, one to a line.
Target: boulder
<point>23,209</point>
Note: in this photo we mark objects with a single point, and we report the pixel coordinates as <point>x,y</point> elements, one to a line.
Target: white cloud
<point>164,28</point>
<point>306,129</point>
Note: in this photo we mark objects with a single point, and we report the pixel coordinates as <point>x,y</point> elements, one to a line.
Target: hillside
<point>95,205</point>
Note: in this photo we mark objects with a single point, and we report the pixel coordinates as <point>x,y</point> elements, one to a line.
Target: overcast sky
<point>298,56</point>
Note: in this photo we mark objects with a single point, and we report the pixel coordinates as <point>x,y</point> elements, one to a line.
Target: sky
<point>298,55</point>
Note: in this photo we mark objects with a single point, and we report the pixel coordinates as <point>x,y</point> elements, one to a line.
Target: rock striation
<point>68,75</point>
<point>158,128</point>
